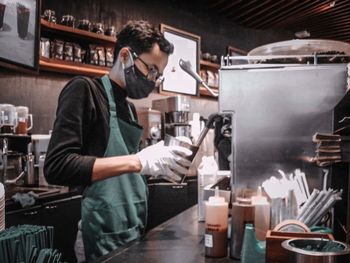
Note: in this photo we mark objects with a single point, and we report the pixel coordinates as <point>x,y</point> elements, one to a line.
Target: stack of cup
<point>2,207</point>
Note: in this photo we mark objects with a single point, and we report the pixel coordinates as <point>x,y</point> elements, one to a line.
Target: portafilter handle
<point>186,66</point>
<point>209,125</point>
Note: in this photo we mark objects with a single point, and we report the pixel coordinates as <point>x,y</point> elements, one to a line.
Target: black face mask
<point>137,85</point>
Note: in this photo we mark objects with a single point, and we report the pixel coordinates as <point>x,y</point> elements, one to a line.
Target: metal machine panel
<point>276,110</point>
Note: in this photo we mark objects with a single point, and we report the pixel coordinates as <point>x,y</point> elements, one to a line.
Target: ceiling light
<point>332,4</point>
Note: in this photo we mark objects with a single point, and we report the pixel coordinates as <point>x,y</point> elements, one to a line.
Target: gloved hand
<point>168,161</point>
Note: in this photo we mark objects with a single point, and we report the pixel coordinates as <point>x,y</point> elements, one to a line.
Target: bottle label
<point>208,240</point>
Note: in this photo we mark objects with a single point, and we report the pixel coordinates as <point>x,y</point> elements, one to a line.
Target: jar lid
<point>68,17</point>
<point>84,21</point>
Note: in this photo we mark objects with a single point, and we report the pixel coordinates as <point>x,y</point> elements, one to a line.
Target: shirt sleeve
<point>65,162</point>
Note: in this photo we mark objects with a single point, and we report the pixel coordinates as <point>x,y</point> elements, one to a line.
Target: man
<point>95,140</point>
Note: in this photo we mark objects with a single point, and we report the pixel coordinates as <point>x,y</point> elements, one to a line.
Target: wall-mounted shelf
<point>208,64</point>
<point>204,92</point>
<point>67,67</point>
<point>70,32</point>
<point>82,37</point>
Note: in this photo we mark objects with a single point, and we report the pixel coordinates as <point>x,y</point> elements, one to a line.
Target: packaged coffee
<point>68,51</point>
<point>45,47</point>
<point>204,75</point>
<point>52,48</point>
<point>77,53</point>
<point>84,56</point>
<point>58,50</point>
<point>109,57</point>
<point>93,56</point>
<point>101,56</point>
<point>211,78</point>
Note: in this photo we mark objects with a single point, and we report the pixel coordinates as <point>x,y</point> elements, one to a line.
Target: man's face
<point>152,63</point>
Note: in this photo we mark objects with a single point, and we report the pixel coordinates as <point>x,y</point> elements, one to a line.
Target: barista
<point>95,141</point>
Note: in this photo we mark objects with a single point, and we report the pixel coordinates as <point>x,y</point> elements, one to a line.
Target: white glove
<point>168,161</point>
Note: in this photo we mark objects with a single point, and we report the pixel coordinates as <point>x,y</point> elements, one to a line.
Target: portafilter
<point>170,140</point>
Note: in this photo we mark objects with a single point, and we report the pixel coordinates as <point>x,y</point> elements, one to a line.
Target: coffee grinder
<point>151,121</point>
<point>175,118</point>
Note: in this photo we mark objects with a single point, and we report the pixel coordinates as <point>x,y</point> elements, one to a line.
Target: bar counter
<point>180,239</point>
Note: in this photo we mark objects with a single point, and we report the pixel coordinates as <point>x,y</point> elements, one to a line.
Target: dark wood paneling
<point>294,15</point>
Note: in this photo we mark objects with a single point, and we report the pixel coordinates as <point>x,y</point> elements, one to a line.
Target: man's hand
<point>168,161</point>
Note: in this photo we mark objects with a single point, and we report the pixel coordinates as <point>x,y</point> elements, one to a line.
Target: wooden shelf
<point>214,67</point>
<point>68,67</point>
<point>77,33</point>
<point>209,64</point>
<point>204,92</point>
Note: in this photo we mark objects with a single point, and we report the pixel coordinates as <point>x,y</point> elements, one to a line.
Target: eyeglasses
<point>153,73</point>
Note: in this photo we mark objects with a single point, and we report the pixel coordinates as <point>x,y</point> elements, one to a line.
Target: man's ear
<point>126,57</point>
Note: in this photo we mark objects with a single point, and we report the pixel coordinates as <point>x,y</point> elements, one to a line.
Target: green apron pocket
<point>113,240</point>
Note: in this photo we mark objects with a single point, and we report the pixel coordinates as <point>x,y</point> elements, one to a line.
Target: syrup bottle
<point>216,217</point>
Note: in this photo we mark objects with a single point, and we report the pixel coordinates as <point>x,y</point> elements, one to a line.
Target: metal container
<point>176,117</point>
<point>11,167</point>
<point>171,141</point>
<point>243,212</point>
<point>276,109</point>
<point>40,144</point>
<point>316,250</point>
<point>178,130</point>
<point>176,103</point>
<point>29,178</point>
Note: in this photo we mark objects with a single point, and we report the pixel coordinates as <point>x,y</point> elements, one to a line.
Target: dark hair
<point>140,37</point>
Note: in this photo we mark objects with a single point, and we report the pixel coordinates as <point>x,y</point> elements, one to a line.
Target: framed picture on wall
<point>233,51</point>
<point>186,47</point>
<point>19,34</point>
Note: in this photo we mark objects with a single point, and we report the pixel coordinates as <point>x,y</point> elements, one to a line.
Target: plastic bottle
<point>206,171</point>
<point>262,215</point>
<point>216,221</point>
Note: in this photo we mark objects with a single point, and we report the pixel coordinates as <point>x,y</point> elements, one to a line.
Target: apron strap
<point>111,101</point>
<point>112,106</point>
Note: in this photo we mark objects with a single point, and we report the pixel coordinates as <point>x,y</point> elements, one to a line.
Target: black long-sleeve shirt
<point>81,131</point>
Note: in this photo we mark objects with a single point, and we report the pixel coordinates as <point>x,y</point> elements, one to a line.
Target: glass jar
<point>110,31</point>
<point>23,119</point>
<point>68,20</point>
<point>9,120</point>
<point>84,24</point>
<point>49,15</point>
<point>98,28</point>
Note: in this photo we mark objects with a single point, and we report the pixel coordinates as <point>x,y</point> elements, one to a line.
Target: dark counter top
<point>45,194</point>
<point>180,239</point>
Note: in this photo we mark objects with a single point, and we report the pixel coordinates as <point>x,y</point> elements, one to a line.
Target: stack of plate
<point>2,207</point>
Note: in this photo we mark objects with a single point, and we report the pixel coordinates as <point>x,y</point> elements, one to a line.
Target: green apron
<point>114,210</point>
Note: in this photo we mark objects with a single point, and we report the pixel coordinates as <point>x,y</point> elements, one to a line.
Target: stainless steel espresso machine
<point>16,158</point>
<point>175,115</point>
<point>278,102</point>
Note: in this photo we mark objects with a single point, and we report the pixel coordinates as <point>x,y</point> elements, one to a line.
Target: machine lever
<point>186,66</point>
